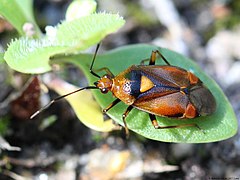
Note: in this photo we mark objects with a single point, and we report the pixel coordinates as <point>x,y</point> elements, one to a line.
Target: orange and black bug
<point>164,90</point>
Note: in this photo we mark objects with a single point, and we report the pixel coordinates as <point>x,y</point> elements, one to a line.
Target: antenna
<point>80,89</point>
<point>59,98</point>
<point>94,57</point>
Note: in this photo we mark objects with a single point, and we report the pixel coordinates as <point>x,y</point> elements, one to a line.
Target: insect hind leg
<point>143,61</point>
<point>156,126</point>
<point>116,101</point>
<point>124,119</point>
<point>153,58</point>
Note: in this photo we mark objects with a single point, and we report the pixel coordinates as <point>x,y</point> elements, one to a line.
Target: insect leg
<point>156,126</point>
<point>124,118</point>
<point>154,57</point>
<point>164,59</point>
<point>143,61</point>
<point>111,105</point>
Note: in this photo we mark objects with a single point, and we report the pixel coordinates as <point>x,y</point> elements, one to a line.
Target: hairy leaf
<point>32,56</point>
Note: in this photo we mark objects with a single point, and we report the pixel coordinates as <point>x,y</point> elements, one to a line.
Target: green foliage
<point>1,58</point>
<point>137,12</point>
<point>18,13</point>
<point>4,124</point>
<point>231,19</point>
<point>84,32</point>
<point>80,8</point>
<point>32,55</point>
<point>218,126</point>
<point>47,122</point>
<point>78,32</point>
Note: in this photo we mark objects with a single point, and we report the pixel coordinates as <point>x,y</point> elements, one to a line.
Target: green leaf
<point>80,8</point>
<point>86,31</point>
<point>219,126</point>
<point>1,57</point>
<point>4,125</point>
<point>32,56</point>
<point>27,8</point>
<point>18,13</point>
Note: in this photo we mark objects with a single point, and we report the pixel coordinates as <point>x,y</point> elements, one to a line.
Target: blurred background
<point>206,31</point>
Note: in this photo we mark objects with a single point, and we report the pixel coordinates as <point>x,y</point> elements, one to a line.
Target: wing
<point>164,80</point>
<point>171,105</point>
<point>164,96</point>
<point>169,75</point>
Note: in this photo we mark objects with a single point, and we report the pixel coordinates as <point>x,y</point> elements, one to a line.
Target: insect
<point>159,90</point>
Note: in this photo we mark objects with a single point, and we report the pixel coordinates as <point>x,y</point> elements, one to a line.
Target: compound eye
<point>104,90</point>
